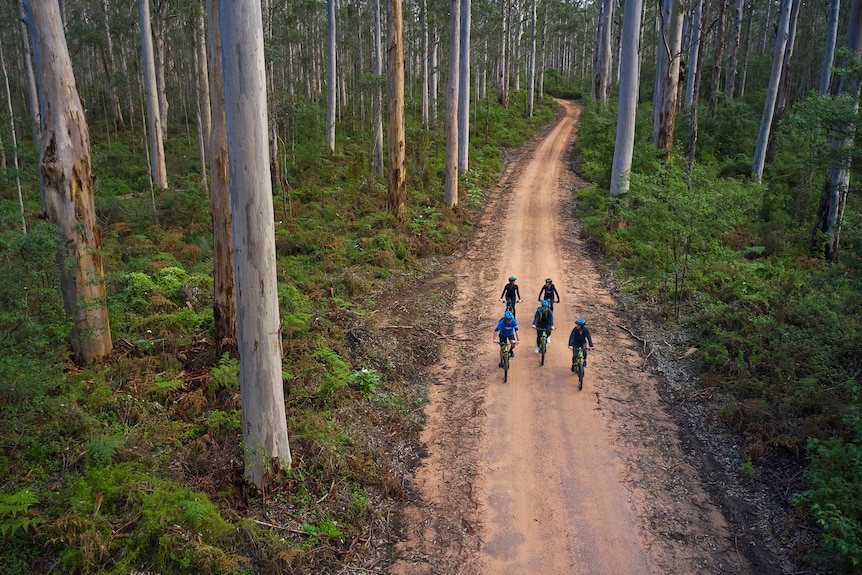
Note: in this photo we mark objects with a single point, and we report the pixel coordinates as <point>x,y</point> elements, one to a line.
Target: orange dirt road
<point>534,476</point>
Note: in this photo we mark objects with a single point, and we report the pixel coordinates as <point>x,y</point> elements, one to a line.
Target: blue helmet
<point>512,278</point>
<point>545,303</point>
<point>581,321</point>
<point>508,315</point>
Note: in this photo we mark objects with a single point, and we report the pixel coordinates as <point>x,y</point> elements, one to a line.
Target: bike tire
<point>505,368</point>
<point>580,377</point>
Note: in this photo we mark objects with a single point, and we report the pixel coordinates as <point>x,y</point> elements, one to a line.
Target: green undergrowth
<point>778,331</point>
<point>135,465</point>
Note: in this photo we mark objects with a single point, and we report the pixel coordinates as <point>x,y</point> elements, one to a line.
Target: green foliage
<point>224,376</point>
<point>335,374</point>
<point>365,380</point>
<point>16,513</point>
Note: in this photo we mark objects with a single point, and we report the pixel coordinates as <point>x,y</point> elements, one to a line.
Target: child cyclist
<point>579,337</point>
<point>511,294</point>
<point>543,321</point>
<point>507,329</point>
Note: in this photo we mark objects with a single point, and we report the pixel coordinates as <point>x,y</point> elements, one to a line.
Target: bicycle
<point>510,306</point>
<point>543,345</point>
<point>578,360</point>
<point>507,354</point>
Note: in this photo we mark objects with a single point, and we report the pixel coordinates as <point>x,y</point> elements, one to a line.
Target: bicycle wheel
<point>506,364</point>
<point>580,374</point>
<point>543,347</point>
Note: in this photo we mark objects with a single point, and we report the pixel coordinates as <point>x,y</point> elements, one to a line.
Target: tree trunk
<point>330,76</point>
<point>116,111</point>
<point>627,113</point>
<point>378,92</point>
<point>772,92</point>
<point>730,80</point>
<point>744,74</point>
<point>699,21</point>
<point>14,142</point>
<point>603,61</point>
<point>202,108</point>
<point>783,85</point>
<point>830,212</point>
<point>464,90</point>
<point>224,296</point>
<point>829,53</point>
<point>397,189</point>
<point>667,74</point>
<point>697,33</point>
<point>531,65</point>
<point>423,22</point>
<point>434,78</point>
<point>30,78</point>
<point>503,71</point>
<point>542,52</point>
<point>67,185</point>
<point>264,424</point>
<point>451,181</point>
<point>154,119</point>
<point>718,54</point>
<point>159,50</point>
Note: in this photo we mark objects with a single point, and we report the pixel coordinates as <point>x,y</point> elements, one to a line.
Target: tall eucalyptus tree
<point>830,212</point>
<point>397,188</point>
<point>264,422</point>
<point>667,74</point>
<point>603,58</point>
<point>158,171</point>
<point>68,183</point>
<point>531,62</point>
<point>451,179</point>
<point>331,75</point>
<point>829,52</point>
<point>224,294</point>
<point>464,89</point>
<point>781,35</point>
<point>29,77</point>
<point>627,113</point>
<point>377,152</point>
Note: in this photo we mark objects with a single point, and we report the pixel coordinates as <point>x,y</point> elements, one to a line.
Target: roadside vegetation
<point>135,465</point>
<point>777,329</point>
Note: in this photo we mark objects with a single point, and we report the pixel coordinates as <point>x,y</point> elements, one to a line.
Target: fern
<point>15,512</point>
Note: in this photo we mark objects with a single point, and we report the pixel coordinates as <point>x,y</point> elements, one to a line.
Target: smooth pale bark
<point>667,74</point>
<point>829,53</point>
<point>781,98</point>
<point>116,111</point>
<point>730,80</point>
<point>700,20</point>
<point>626,115</point>
<point>781,35</point>
<point>14,141</point>
<point>830,212</point>
<point>717,56</point>
<point>158,31</point>
<point>397,189</point>
<point>203,81</point>
<point>744,73</point>
<point>451,180</point>
<point>434,77</point>
<point>264,425</point>
<point>540,87</point>
<point>423,22</point>
<point>464,90</point>
<point>29,78</point>
<point>603,60</point>
<point>224,295</point>
<point>377,153</point>
<point>694,55</point>
<point>503,70</point>
<point>531,65</point>
<point>158,171</point>
<point>330,75</point>
<point>67,182</point>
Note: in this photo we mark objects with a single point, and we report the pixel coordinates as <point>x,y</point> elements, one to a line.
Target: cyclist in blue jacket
<point>507,329</point>
<point>579,337</point>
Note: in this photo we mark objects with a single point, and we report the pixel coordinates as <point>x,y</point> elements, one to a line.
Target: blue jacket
<point>507,330</point>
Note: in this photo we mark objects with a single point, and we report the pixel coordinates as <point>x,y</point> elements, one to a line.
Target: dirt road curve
<point>533,476</point>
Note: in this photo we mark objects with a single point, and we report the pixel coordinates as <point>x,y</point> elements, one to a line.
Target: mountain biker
<point>548,291</point>
<point>507,329</point>
<point>579,337</point>
<point>543,321</point>
<point>511,294</point>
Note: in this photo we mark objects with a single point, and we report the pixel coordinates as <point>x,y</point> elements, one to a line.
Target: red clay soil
<point>534,476</point>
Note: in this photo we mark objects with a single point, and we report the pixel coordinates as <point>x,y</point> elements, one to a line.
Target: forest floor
<point>534,476</point>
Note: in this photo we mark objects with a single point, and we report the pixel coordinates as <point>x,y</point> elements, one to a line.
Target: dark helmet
<point>581,321</point>
<point>549,281</point>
